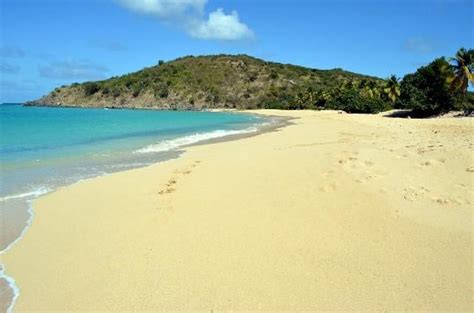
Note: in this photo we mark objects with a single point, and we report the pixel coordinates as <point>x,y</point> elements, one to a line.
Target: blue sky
<point>49,43</point>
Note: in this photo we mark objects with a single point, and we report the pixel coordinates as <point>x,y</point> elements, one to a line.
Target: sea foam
<point>172,144</point>
<point>33,193</point>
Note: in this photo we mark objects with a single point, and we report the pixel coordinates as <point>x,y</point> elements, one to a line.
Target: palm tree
<point>463,69</point>
<point>392,88</point>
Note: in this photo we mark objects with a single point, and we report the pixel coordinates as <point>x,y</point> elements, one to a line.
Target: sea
<point>43,148</point>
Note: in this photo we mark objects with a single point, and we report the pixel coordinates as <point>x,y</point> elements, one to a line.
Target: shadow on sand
<point>418,114</point>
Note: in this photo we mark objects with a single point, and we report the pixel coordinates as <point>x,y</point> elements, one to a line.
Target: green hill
<point>221,81</point>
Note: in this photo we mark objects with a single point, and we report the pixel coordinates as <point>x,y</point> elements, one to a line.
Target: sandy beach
<point>333,212</point>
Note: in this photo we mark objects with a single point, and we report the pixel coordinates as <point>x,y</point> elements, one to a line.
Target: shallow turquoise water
<point>42,148</point>
<point>29,133</point>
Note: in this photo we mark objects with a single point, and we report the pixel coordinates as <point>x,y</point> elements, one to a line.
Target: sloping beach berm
<point>333,212</point>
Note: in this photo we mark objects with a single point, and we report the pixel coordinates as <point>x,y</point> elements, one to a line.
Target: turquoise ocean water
<point>43,148</point>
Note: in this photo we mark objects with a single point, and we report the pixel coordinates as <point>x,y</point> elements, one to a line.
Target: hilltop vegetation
<point>244,82</point>
<point>222,81</point>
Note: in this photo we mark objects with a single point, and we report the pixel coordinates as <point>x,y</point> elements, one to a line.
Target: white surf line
<point>10,281</point>
<point>37,192</point>
<point>12,284</point>
<point>171,144</point>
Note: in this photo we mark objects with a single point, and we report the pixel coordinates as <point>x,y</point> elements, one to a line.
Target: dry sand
<point>335,212</point>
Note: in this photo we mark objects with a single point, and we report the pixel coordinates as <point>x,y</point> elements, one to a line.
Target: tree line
<point>436,88</point>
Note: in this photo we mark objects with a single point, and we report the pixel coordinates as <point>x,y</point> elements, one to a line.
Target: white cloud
<point>165,8</point>
<point>222,27</point>
<point>189,15</point>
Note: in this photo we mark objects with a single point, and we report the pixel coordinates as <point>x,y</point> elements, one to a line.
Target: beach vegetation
<point>440,86</point>
<point>91,88</point>
<point>238,81</point>
<point>353,101</point>
<point>244,82</point>
<point>160,90</point>
<point>463,66</point>
<point>428,91</point>
<point>392,88</point>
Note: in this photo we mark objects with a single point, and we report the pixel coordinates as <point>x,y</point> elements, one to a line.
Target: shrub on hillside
<point>161,90</point>
<point>91,88</point>
<point>116,92</point>
<point>136,89</point>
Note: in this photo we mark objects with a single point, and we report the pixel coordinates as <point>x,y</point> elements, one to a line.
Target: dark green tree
<point>428,91</point>
<point>353,101</point>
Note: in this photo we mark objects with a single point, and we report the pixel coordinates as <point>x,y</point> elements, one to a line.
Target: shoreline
<point>172,153</point>
<point>205,149</point>
<point>277,123</point>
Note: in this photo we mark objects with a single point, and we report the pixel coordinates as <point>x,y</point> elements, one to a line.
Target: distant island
<point>245,82</point>
<point>221,81</point>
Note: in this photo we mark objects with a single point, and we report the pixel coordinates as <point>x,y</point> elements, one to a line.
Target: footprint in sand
<point>352,158</point>
<point>183,172</point>
<point>433,162</point>
<point>166,190</point>
<point>441,200</point>
<point>445,201</point>
<point>328,188</point>
<point>195,163</point>
<point>170,186</point>
<point>428,163</point>
<point>412,193</point>
<point>423,150</point>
